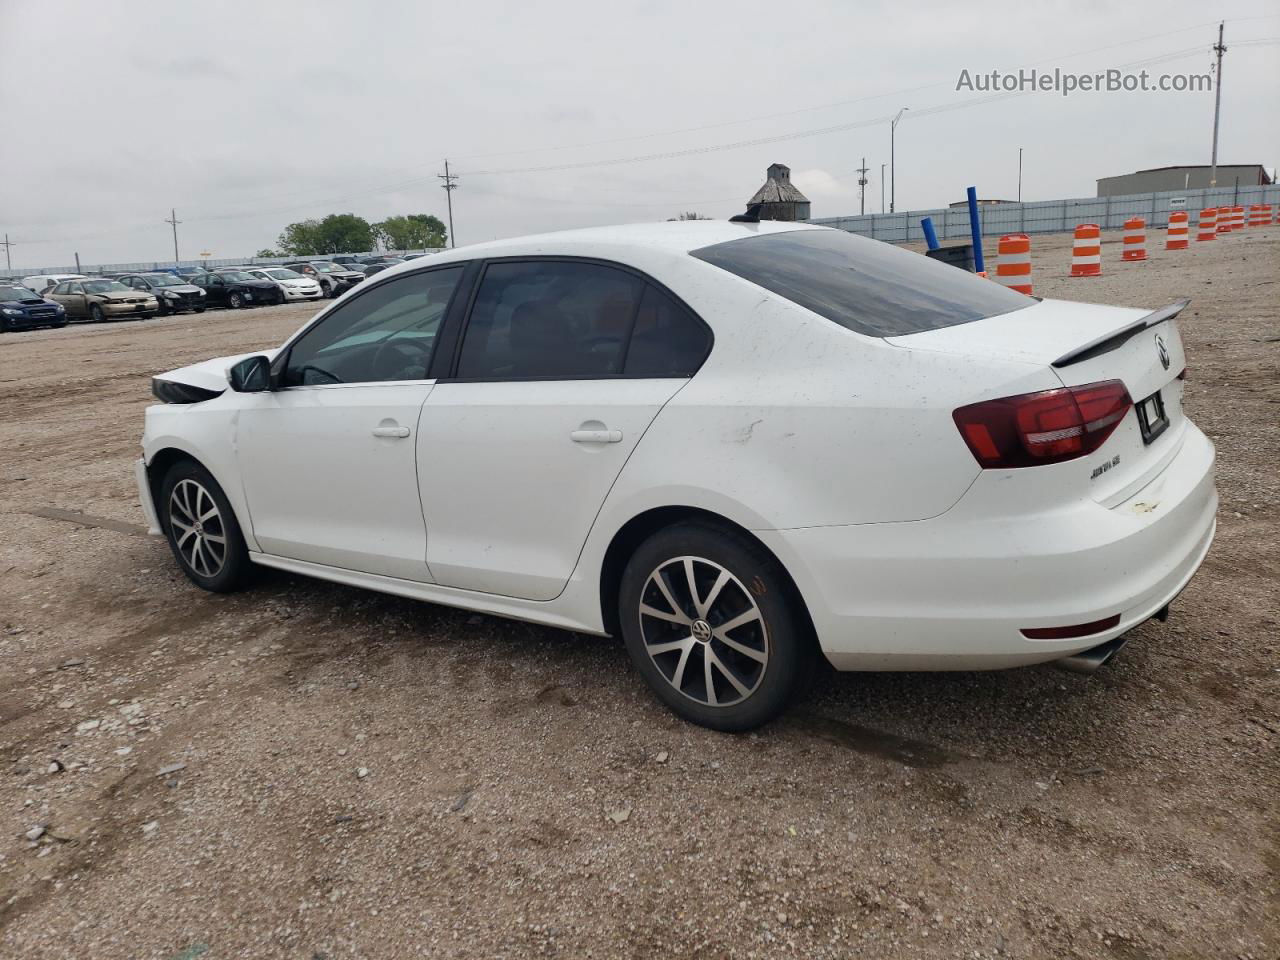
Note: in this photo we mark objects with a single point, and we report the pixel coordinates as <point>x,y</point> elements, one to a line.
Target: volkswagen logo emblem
<point>701,631</point>
<point>1163,351</point>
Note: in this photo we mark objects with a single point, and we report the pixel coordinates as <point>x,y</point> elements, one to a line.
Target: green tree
<point>689,216</point>
<point>336,233</point>
<point>411,232</point>
<point>266,252</point>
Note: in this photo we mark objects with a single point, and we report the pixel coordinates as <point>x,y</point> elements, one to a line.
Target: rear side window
<point>551,319</point>
<point>867,286</point>
<point>668,340</point>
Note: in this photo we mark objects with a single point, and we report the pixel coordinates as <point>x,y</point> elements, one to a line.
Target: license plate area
<point>1152,419</point>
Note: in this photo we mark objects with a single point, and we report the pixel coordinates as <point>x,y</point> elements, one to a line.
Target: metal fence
<point>147,266</point>
<point>1051,216</point>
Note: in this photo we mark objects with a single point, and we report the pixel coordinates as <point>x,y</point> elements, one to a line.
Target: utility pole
<point>173,221</point>
<point>1019,174</point>
<point>8,261</point>
<point>449,186</point>
<point>862,187</point>
<point>882,166</point>
<point>1219,48</point>
<point>893,179</point>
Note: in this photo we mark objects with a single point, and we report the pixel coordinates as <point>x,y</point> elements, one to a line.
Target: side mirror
<point>251,375</point>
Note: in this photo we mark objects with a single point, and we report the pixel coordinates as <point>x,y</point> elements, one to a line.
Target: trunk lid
<point>1087,343</point>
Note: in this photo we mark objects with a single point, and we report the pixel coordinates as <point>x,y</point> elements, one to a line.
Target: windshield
<point>325,267</point>
<point>282,274</point>
<point>236,275</point>
<point>11,294</point>
<point>104,286</point>
<point>163,280</point>
<point>866,286</point>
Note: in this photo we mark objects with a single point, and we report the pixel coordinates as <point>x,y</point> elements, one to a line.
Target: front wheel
<point>235,301</point>
<point>96,314</point>
<point>200,309</point>
<point>712,624</point>
<point>202,530</point>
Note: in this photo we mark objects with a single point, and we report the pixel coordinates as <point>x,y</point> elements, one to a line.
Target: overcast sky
<point>247,116</point>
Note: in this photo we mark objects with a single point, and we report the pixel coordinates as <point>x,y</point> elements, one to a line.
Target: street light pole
<point>1219,48</point>
<point>882,166</point>
<point>1019,174</point>
<point>893,179</point>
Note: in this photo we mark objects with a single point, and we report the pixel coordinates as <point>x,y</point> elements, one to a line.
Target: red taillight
<point>1045,427</point>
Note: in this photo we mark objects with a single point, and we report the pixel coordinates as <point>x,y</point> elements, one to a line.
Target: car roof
<point>674,236</point>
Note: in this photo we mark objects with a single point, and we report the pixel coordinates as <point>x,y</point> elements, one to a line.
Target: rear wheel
<point>711,622</point>
<point>202,530</point>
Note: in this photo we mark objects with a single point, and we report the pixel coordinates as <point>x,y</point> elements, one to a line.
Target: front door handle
<point>390,430</point>
<point>596,436</point>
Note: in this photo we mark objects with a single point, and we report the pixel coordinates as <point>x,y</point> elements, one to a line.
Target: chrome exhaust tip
<point>1088,661</point>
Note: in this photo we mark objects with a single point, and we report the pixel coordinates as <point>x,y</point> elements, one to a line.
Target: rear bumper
<point>955,592</point>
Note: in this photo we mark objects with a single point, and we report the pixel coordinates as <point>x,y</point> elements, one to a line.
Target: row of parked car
<point>52,300</point>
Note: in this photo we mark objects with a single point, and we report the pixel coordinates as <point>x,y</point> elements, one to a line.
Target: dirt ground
<point>181,773</point>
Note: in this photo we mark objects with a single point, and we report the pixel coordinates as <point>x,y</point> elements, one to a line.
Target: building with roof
<point>779,199</point>
<point>1183,178</point>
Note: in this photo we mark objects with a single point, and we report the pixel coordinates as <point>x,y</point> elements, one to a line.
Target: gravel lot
<point>305,770</point>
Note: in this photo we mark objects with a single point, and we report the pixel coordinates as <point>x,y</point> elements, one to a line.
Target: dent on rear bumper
<point>954,592</point>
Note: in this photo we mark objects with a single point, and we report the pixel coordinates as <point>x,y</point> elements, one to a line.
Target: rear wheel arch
<point>644,525</point>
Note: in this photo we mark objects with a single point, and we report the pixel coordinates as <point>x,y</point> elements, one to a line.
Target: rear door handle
<point>596,436</point>
<point>388,431</point>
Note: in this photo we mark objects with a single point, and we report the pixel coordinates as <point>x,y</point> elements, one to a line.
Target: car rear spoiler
<point>1111,341</point>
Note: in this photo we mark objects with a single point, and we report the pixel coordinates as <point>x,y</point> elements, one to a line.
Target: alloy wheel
<point>704,631</point>
<point>198,529</point>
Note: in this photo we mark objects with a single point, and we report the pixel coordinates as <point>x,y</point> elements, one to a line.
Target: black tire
<point>6,326</point>
<point>778,629</point>
<point>59,326</point>
<point>235,300</point>
<point>185,494</point>
<point>95,313</point>
<point>330,291</point>
<point>200,309</point>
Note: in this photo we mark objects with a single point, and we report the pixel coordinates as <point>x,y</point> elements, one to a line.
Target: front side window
<point>63,287</point>
<point>549,319</point>
<point>388,333</point>
<point>104,286</point>
<point>864,285</point>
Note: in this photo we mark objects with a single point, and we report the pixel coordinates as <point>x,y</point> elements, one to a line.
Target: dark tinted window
<point>550,318</point>
<point>386,333</point>
<point>865,285</point>
<point>668,340</point>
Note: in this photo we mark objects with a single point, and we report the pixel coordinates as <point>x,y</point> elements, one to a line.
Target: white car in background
<point>741,445</point>
<point>292,284</point>
<point>41,283</point>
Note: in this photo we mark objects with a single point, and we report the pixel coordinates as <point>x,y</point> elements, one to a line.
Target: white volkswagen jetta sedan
<point>742,445</point>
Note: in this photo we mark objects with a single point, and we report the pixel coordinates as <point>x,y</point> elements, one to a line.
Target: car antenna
<point>751,216</point>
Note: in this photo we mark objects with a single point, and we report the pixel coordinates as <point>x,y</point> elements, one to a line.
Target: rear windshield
<point>868,286</point>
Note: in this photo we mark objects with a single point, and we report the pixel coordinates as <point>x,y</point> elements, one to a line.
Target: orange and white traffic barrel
<point>1178,229</point>
<point>1208,224</point>
<point>1259,216</point>
<point>1013,268</point>
<point>1225,217</point>
<point>1237,218</point>
<point>1086,252</point>
<point>1135,239</point>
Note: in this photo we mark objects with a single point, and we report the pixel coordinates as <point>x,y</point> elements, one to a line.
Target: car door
<point>327,458</point>
<point>74,299</point>
<point>517,450</point>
